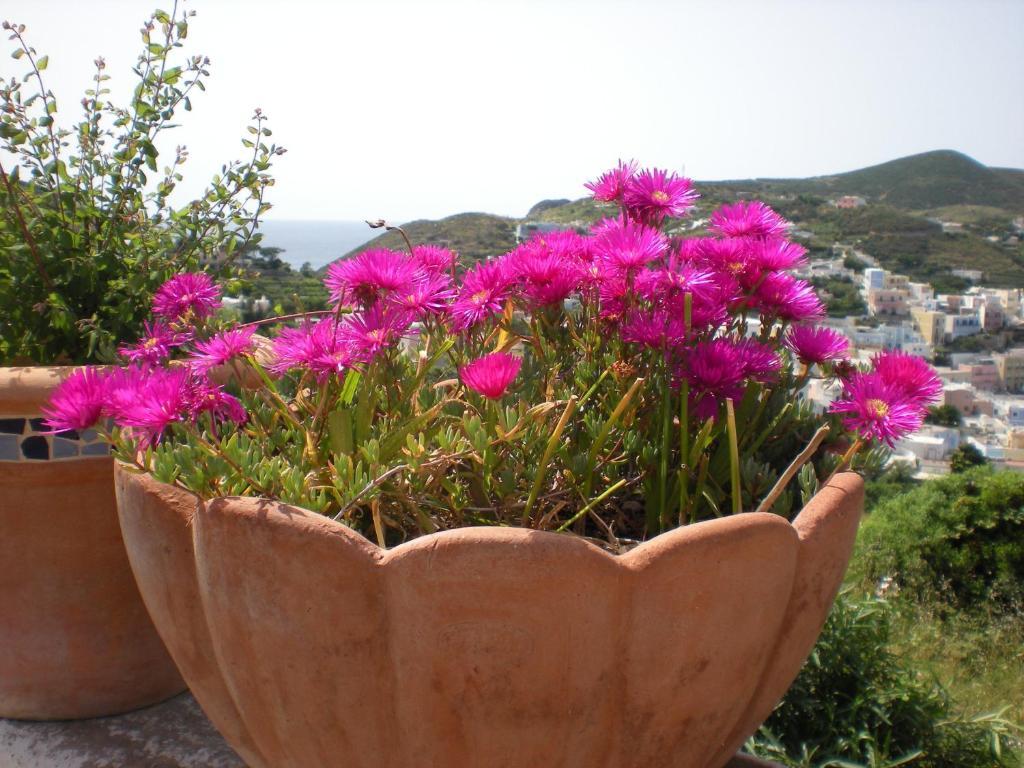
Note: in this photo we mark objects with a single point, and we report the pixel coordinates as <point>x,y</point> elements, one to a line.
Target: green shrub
<point>957,539</point>
<point>855,703</point>
<point>895,479</point>
<point>88,231</point>
<point>965,457</point>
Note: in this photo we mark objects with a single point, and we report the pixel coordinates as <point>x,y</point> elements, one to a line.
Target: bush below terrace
<point>957,540</point>
<point>856,703</point>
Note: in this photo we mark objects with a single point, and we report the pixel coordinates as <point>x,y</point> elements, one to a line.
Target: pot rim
<point>842,484</point>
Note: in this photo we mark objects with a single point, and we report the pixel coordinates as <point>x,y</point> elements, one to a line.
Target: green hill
<point>899,225</point>
<point>473,236</point>
<point>918,182</point>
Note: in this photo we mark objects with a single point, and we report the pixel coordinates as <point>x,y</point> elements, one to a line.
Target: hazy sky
<point>409,110</point>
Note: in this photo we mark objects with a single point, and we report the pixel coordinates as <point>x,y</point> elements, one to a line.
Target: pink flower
<point>485,288</point>
<point>546,277</point>
<point>221,348</point>
<point>368,333</point>
<point>148,400</point>
<point>611,185</point>
<point>774,253</point>
<point>612,293</point>
<point>715,370</point>
<point>296,347</point>
<point>668,286</point>
<point>433,258</point>
<point>670,283</point>
<point>657,329</point>
<point>731,255</point>
<point>748,219</point>
<point>369,276</point>
<point>909,375</point>
<point>155,345</point>
<point>785,297</point>
<point>314,347</point>
<point>759,361</point>
<point>213,400</point>
<point>625,247</point>
<point>817,345</point>
<point>190,293</point>
<point>77,402</point>
<point>429,293</point>
<point>876,410</point>
<point>653,194</point>
<point>566,244</point>
<point>491,374</point>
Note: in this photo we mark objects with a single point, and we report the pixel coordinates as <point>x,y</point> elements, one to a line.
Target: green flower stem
<point>549,451</point>
<point>684,448</point>
<point>794,467</point>
<point>734,458</point>
<point>606,428</point>
<point>591,504</point>
<point>666,441</point>
<point>847,459</point>
<point>684,420</point>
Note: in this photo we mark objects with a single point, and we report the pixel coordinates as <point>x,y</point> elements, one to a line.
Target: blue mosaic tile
<point>89,435</point>
<point>9,448</point>
<point>64,449</point>
<point>12,426</point>
<point>96,449</point>
<point>35,448</point>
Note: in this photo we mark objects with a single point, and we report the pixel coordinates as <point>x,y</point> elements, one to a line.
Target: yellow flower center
<point>660,197</point>
<point>150,343</point>
<point>877,408</point>
<point>480,298</point>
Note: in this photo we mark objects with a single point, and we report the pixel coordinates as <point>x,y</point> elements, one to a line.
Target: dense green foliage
<point>856,703</point>
<point>841,295</point>
<point>958,540</point>
<point>88,230</point>
<point>965,457</point>
<point>289,291</point>
<point>944,416</point>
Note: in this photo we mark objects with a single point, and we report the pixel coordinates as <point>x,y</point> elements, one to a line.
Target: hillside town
<point>983,398</point>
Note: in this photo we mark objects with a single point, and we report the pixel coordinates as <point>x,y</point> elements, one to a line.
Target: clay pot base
<point>309,646</point>
<point>75,638</point>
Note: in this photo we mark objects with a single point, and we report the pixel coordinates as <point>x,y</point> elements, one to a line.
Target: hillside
<point>907,199</point>
<point>473,236</point>
<point>928,180</point>
<point>899,225</point>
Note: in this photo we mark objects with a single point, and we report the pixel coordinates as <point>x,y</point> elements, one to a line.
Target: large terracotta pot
<point>308,646</point>
<point>75,638</point>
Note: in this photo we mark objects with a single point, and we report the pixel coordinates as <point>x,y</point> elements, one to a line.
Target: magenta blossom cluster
<point>673,295</point>
<point>143,400</point>
<point>649,195</point>
<point>891,400</point>
<point>713,318</point>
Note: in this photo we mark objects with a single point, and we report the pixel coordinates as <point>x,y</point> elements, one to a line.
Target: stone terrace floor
<point>175,734</point>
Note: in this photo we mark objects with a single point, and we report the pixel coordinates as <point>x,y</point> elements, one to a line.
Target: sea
<point>316,242</point>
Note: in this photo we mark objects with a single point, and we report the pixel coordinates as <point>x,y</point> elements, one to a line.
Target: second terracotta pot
<point>75,638</point>
<point>309,646</point>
